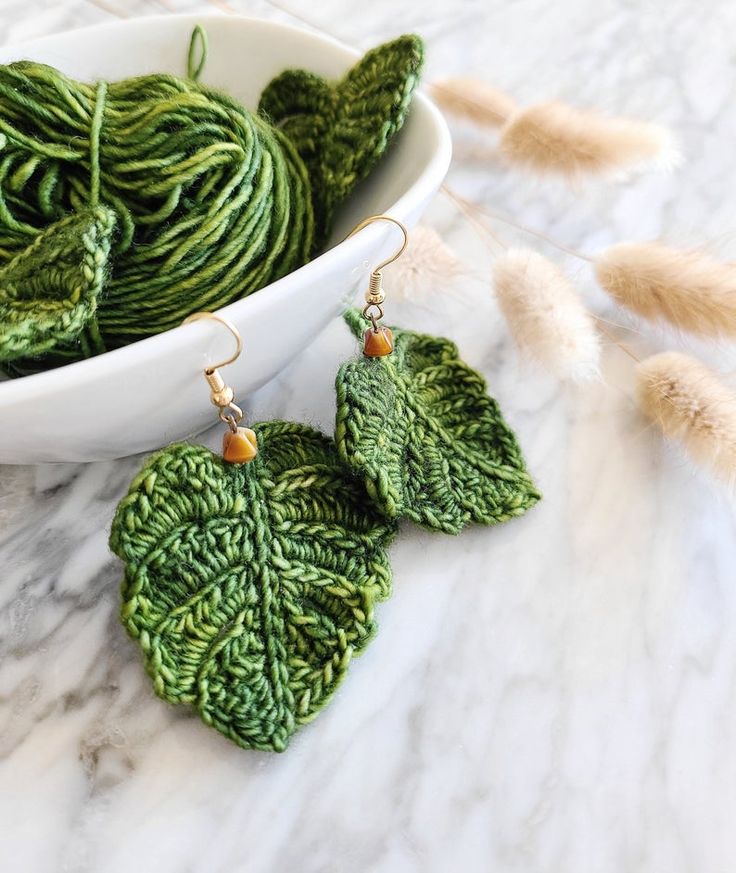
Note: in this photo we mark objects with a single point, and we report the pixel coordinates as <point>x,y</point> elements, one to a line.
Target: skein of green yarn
<point>211,202</point>
<point>186,200</point>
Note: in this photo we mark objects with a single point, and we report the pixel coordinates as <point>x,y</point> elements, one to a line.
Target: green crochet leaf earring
<point>416,424</point>
<point>250,579</point>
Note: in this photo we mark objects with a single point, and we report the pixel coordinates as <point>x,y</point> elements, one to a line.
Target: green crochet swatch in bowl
<point>341,130</point>
<point>430,444</point>
<point>249,587</point>
<point>48,292</point>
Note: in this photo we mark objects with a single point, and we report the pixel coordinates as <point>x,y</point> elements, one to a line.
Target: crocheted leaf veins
<point>48,292</point>
<point>431,445</point>
<point>341,129</point>
<point>249,587</point>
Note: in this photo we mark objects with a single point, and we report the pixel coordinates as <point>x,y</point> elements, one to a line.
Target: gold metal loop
<point>232,418</point>
<point>399,252</point>
<point>373,316</point>
<point>200,316</point>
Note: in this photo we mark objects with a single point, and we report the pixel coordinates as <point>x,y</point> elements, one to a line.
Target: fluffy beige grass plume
<point>545,315</point>
<point>428,266</point>
<point>556,138</point>
<point>473,100</point>
<point>689,290</point>
<point>690,404</point>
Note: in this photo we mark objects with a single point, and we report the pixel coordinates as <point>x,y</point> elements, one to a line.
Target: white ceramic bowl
<point>151,393</point>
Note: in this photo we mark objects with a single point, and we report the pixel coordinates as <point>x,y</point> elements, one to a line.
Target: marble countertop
<point>557,695</point>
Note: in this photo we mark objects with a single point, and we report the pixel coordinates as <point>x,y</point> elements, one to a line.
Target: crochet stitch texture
<point>49,291</point>
<point>341,131</point>
<point>430,444</point>
<point>211,202</point>
<point>249,587</point>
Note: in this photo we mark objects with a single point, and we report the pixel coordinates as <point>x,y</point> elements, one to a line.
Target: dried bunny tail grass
<point>427,265</point>
<point>545,315</point>
<point>690,404</point>
<point>474,100</point>
<point>687,289</point>
<point>556,138</point>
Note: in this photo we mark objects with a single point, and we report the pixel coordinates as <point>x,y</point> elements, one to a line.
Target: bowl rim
<point>174,340</point>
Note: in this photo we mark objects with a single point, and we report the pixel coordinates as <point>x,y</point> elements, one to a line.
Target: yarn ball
<point>210,202</point>
<point>420,430</point>
<point>249,587</point>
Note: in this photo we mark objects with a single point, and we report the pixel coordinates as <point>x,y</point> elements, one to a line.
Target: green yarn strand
<point>198,50</point>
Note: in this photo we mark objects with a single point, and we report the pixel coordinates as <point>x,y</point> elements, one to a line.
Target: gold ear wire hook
<point>399,252</point>
<point>221,394</point>
<point>200,316</point>
<point>378,341</point>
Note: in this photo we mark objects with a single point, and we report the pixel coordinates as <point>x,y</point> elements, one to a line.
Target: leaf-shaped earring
<point>49,291</point>
<point>416,424</point>
<point>251,579</point>
<point>341,129</point>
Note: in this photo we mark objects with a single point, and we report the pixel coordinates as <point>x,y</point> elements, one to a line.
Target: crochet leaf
<point>49,291</point>
<point>249,587</point>
<point>418,426</point>
<point>341,130</point>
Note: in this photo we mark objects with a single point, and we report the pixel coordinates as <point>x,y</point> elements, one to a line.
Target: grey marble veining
<point>557,695</point>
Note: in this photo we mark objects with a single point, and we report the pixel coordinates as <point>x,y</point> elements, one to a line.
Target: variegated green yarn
<point>210,202</point>
<point>250,587</point>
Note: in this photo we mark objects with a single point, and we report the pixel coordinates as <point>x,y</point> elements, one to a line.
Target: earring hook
<point>399,252</point>
<point>201,316</point>
<point>378,341</point>
<point>239,444</point>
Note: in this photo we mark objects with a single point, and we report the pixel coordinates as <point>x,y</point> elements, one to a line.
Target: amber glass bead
<point>377,343</point>
<point>239,446</point>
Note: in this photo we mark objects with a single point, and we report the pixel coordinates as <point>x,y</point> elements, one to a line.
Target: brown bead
<point>240,446</point>
<point>377,343</point>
